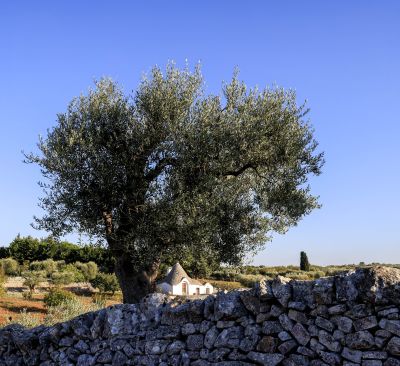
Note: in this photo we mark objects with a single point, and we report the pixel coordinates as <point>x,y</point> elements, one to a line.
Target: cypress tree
<point>304,264</point>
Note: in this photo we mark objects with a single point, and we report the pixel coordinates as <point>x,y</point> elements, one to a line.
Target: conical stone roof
<point>176,274</point>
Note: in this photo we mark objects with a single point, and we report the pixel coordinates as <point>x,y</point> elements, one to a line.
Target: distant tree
<point>98,254</point>
<point>28,249</point>
<point>304,264</point>
<point>172,169</point>
<point>32,279</point>
<point>4,252</point>
<point>24,249</point>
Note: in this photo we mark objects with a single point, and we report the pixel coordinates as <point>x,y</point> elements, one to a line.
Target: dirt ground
<point>12,303</point>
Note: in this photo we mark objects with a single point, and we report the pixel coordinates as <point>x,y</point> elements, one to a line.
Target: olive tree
<point>171,170</point>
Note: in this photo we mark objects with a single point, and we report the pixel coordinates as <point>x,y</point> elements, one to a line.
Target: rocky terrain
<point>349,319</point>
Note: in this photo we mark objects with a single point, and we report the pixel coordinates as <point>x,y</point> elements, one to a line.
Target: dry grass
<point>13,308</point>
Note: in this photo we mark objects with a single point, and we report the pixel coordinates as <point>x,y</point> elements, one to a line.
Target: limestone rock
<point>267,359</point>
<point>393,347</point>
<point>360,340</point>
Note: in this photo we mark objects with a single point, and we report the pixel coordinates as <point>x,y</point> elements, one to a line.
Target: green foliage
<point>9,266</point>
<point>32,279</point>
<point>4,252</point>
<point>304,264</point>
<point>249,280</point>
<point>225,285</point>
<point>49,266</point>
<point>198,264</point>
<point>57,297</point>
<point>105,282</point>
<point>68,274</point>
<point>172,170</point>
<point>63,278</point>
<point>24,249</point>
<point>241,273</point>
<point>28,249</point>
<point>89,270</point>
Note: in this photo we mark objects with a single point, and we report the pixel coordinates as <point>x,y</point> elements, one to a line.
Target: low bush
<point>57,297</point>
<point>63,278</point>
<point>27,319</point>
<point>67,310</point>
<point>249,280</point>
<point>224,285</point>
<point>9,266</point>
<point>89,270</point>
<point>105,282</point>
<point>299,276</point>
<point>49,266</point>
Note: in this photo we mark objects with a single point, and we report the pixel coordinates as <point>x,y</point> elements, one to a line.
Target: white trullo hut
<point>177,282</point>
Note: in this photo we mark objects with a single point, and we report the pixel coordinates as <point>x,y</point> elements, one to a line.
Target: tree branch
<point>239,171</point>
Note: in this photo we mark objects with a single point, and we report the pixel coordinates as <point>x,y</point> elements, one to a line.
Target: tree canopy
<point>171,170</point>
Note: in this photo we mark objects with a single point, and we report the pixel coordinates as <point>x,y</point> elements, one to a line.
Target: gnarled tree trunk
<point>135,284</point>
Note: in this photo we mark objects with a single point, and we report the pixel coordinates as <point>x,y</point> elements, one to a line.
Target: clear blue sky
<point>342,56</point>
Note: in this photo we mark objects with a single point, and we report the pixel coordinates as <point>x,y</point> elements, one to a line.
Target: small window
<point>197,290</point>
<point>184,288</point>
<point>207,290</point>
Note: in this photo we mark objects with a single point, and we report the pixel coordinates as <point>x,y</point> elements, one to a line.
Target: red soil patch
<point>11,306</point>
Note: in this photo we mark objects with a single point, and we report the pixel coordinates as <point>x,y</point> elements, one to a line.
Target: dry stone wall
<point>351,319</point>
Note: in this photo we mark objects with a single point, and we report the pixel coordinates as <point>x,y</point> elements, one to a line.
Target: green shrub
<point>9,266</point>
<point>78,275</point>
<point>225,275</point>
<point>249,280</point>
<point>105,282</point>
<point>49,266</point>
<point>67,310</point>
<point>63,278</point>
<point>318,274</point>
<point>57,297</point>
<point>298,276</point>
<point>89,270</point>
<point>225,285</point>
